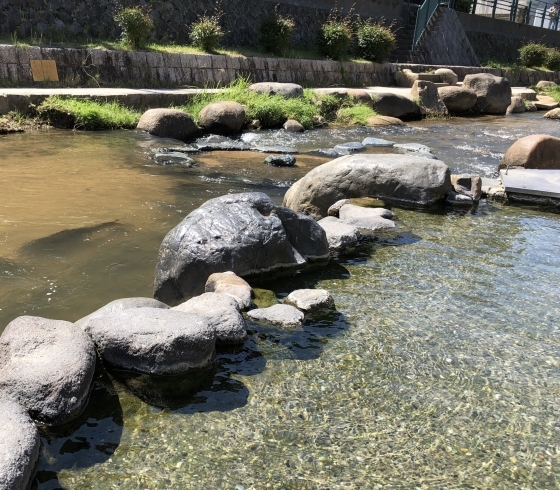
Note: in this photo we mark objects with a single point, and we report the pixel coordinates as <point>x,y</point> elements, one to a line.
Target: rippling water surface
<point>439,368</point>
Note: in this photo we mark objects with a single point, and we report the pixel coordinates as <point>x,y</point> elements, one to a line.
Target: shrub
<point>207,33</point>
<point>533,54</point>
<point>375,42</point>
<point>276,34</point>
<point>135,25</point>
<point>334,39</point>
<point>463,6</point>
<point>553,60</point>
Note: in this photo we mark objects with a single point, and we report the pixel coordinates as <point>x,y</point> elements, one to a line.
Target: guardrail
<point>535,13</point>
<point>425,13</point>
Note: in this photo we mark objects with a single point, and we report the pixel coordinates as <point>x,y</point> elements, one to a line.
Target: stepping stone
<point>377,143</point>
<point>310,299</point>
<point>47,367</point>
<point>349,148</point>
<point>351,211</point>
<point>222,313</point>
<point>285,316</point>
<point>546,103</point>
<point>153,340</point>
<point>231,284</point>
<point>340,235</point>
<point>19,446</point>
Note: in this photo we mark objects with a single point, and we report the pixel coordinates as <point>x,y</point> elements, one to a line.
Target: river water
<point>439,368</point>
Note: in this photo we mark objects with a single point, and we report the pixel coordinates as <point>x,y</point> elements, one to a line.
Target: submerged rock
<point>285,316</point>
<point>413,147</point>
<point>409,179</point>
<point>173,158</point>
<point>280,160</point>
<point>493,93</point>
<point>153,340</point>
<point>349,148</point>
<point>231,284</point>
<point>340,235</point>
<point>47,367</point>
<point>539,151</point>
<point>168,123</point>
<point>244,233</point>
<point>223,118</point>
<point>220,143</point>
<point>310,299</point>
<point>377,143</point>
<point>221,311</point>
<point>19,447</point>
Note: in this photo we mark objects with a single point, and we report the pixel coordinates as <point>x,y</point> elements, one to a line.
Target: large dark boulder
<point>407,179</point>
<point>457,99</point>
<point>395,105</point>
<point>244,233</point>
<point>47,367</point>
<point>493,93</point>
<point>19,446</point>
<point>153,340</point>
<point>168,123</point>
<point>223,118</point>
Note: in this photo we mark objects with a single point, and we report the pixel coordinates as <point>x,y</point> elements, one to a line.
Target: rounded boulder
<point>223,118</point>
<point>286,90</point>
<point>457,99</point>
<point>538,151</point>
<point>168,123</point>
<point>447,76</point>
<point>493,93</point>
<point>47,367</point>
<point>395,105</point>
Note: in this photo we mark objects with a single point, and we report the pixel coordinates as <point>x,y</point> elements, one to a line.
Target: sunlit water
<point>439,368</point>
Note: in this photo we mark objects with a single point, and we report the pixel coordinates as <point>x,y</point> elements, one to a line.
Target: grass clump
<point>533,55</point>
<point>375,42</point>
<point>87,114</point>
<point>207,33</point>
<point>135,25</point>
<point>272,111</point>
<point>276,34</point>
<point>357,114</point>
<point>554,92</point>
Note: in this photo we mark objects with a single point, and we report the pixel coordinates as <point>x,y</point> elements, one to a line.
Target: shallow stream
<point>439,369</point>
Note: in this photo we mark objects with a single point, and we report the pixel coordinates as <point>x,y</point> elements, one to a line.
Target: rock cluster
<point>493,93</point>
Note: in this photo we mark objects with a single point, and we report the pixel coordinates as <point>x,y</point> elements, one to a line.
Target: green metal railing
<point>425,13</point>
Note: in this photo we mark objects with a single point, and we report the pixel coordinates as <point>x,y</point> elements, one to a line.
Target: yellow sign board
<point>44,70</point>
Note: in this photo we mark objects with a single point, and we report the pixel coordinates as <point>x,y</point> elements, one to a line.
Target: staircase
<point>405,36</point>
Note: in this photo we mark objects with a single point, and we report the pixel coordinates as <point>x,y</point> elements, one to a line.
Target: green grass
<point>357,114</point>
<point>87,114</point>
<point>273,110</point>
<point>554,92</point>
<point>491,63</point>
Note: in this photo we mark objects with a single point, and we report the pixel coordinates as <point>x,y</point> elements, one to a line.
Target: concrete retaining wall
<point>58,20</point>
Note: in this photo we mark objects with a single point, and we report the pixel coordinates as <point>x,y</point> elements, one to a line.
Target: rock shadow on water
<point>89,440</point>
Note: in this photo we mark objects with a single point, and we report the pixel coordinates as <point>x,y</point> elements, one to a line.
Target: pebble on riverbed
<point>280,160</point>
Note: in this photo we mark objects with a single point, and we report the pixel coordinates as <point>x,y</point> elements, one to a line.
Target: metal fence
<point>535,13</point>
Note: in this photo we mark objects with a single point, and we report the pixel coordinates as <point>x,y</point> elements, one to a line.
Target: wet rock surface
<point>220,143</point>
<point>19,446</point>
<point>221,311</point>
<point>310,299</point>
<point>153,340</point>
<point>349,148</point>
<point>340,235</point>
<point>517,106</point>
<point>168,123</point>
<point>173,158</point>
<point>377,143</point>
<point>47,367</point>
<point>280,160</point>
<point>285,316</point>
<point>244,233</point>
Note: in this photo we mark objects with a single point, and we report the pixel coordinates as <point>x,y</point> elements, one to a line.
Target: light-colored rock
<point>457,99</point>
<point>413,148</point>
<point>467,185</point>
<point>459,200</point>
<point>310,299</point>
<point>293,126</point>
<point>546,103</point>
<point>408,179</point>
<point>428,98</point>
<point>47,367</point>
<point>286,90</point>
<point>221,311</point>
<point>285,316</point>
<point>119,305</point>
<point>406,77</point>
<point>349,148</point>
<point>363,202</point>
<point>539,151</point>
<point>395,105</point>
<point>339,234</point>
<point>517,106</point>
<point>19,447</point>
<point>244,233</point>
<point>493,93</point>
<point>546,84</point>
<point>384,121</point>
<point>447,76</point>
<point>351,211</point>
<point>553,114</point>
<point>223,118</point>
<point>231,284</point>
<point>153,341</point>
<point>357,94</point>
<point>526,94</point>
<point>168,123</point>
<point>377,143</point>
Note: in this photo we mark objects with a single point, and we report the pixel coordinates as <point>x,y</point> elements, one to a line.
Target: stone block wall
<point>58,20</point>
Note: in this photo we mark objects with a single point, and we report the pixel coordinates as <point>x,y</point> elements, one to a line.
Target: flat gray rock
<point>276,149</point>
<point>339,234</point>
<point>413,147</point>
<point>325,152</point>
<point>370,224</point>
<point>377,143</point>
<point>231,284</point>
<point>47,367</point>
<point>220,143</point>
<point>351,211</point>
<point>412,179</point>
<point>222,313</point>
<point>285,316</point>
<point>280,160</point>
<point>19,446</point>
<point>349,148</point>
<point>243,233</point>
<point>120,305</point>
<point>153,340</point>
<point>286,90</point>
<point>310,299</point>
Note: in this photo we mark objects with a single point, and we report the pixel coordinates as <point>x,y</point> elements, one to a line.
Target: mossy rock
<point>263,298</point>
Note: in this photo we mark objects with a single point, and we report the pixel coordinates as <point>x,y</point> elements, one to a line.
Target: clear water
<point>439,368</point>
